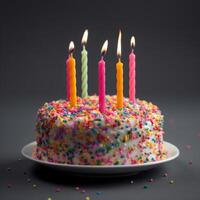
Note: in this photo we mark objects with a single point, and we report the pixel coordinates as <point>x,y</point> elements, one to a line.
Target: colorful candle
<point>67,79</point>
<point>84,66</point>
<point>101,78</point>
<point>119,75</point>
<point>132,71</point>
<point>72,68</point>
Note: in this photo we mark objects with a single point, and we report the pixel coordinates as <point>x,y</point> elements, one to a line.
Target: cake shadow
<point>61,177</point>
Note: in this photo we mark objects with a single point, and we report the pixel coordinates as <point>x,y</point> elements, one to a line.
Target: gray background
<point>33,36</point>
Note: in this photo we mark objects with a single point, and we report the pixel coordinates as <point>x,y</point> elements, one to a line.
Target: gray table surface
<point>18,175</point>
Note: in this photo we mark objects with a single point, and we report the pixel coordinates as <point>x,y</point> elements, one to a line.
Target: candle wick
<point>132,48</point>
<point>71,52</point>
<point>102,54</point>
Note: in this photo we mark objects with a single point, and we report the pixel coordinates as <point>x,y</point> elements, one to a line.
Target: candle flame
<point>85,37</point>
<point>119,44</point>
<point>104,47</point>
<point>132,43</point>
<point>71,46</point>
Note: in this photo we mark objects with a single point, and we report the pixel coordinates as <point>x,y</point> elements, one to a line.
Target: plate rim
<point>31,144</point>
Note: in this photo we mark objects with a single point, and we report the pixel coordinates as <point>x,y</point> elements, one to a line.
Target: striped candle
<point>84,66</point>
<point>101,78</point>
<point>132,71</point>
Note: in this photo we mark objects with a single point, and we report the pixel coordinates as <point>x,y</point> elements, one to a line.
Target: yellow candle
<point>72,67</point>
<point>119,75</point>
<point>119,68</point>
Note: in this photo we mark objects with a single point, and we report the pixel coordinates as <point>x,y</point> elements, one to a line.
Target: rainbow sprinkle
<point>83,135</point>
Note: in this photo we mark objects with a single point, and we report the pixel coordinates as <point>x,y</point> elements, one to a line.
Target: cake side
<point>83,135</point>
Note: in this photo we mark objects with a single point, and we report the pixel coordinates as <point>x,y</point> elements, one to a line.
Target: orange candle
<point>72,67</point>
<point>119,75</point>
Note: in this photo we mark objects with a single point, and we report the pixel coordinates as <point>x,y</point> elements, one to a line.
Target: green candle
<point>84,66</point>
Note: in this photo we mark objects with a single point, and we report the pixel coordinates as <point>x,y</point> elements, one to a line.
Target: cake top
<point>87,111</point>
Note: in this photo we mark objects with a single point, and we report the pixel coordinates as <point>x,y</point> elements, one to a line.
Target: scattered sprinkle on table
<point>165,174</point>
<point>190,162</point>
<point>49,198</point>
<point>57,190</point>
<point>34,185</point>
<point>87,198</point>
<point>19,159</point>
<point>77,188</point>
<point>98,193</point>
<point>145,187</point>
<point>171,182</point>
<point>83,191</point>
<point>151,180</point>
<point>132,182</point>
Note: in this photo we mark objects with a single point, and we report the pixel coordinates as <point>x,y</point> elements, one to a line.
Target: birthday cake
<point>83,135</point>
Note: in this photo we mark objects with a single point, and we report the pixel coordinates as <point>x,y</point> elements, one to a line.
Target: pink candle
<point>101,79</point>
<point>101,75</point>
<point>132,82</point>
<point>67,79</point>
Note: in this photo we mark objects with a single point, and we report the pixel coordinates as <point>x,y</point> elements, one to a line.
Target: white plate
<point>173,152</point>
